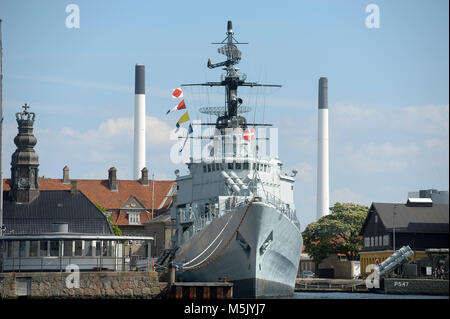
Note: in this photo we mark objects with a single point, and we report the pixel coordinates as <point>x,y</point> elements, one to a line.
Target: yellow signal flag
<point>184,118</point>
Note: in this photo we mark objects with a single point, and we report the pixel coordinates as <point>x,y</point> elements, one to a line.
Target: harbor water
<point>361,295</point>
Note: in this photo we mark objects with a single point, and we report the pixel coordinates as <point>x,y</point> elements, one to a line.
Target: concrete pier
<point>201,290</point>
<point>330,285</point>
<point>418,286</point>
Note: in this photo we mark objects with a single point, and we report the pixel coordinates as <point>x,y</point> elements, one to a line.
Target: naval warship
<point>234,211</point>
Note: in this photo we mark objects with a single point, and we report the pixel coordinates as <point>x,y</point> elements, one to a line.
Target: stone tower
<point>24,161</point>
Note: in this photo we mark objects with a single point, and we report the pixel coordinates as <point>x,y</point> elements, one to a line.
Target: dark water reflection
<point>356,295</point>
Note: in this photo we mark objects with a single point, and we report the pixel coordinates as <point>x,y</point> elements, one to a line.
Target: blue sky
<point>388,87</point>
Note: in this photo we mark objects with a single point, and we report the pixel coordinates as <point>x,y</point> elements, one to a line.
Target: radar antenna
<point>228,115</point>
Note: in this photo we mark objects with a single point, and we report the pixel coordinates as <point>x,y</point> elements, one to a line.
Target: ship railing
<point>268,198</point>
<point>185,215</point>
<point>197,219</point>
<point>282,207</point>
<point>200,220</point>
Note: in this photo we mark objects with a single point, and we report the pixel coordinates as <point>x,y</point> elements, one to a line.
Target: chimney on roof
<point>144,177</point>
<point>74,187</point>
<point>112,178</point>
<point>66,178</point>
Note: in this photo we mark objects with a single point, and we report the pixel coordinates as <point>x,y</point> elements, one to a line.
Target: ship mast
<point>228,117</point>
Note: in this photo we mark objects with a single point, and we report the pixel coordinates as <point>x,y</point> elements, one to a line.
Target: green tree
<point>108,215</point>
<point>336,232</point>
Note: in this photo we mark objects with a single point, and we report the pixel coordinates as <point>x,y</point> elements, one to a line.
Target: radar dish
<point>231,51</point>
<point>220,110</point>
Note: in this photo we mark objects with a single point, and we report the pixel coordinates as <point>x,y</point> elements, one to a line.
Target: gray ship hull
<point>257,248</point>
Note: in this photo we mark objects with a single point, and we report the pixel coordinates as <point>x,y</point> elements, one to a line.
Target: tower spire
<point>25,161</point>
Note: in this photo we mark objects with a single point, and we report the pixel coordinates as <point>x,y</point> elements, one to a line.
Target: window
<point>230,165</point>
<point>34,244</point>
<point>376,240</point>
<point>380,240</point>
<point>107,248</point>
<point>376,219</point>
<point>78,248</point>
<point>68,246</point>
<point>54,248</point>
<point>245,165</point>
<point>217,167</point>
<point>15,249</point>
<point>204,168</point>
<point>238,165</point>
<point>134,218</point>
<point>386,240</point>
<point>366,242</point>
<point>209,168</point>
<point>22,248</point>
<point>10,248</point>
<point>43,248</point>
<point>372,241</point>
<point>87,248</point>
<point>98,248</point>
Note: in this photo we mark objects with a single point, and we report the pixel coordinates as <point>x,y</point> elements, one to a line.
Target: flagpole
<point>153,193</point>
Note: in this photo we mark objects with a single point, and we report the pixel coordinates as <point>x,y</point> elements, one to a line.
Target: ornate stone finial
<point>25,115</point>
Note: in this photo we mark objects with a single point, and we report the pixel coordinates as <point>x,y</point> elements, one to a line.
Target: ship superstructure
<point>235,212</point>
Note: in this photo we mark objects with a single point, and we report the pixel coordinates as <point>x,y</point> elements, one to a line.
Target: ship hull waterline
<point>255,246</point>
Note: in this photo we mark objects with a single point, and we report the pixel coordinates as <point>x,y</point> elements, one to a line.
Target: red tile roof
<point>121,219</point>
<point>99,193</point>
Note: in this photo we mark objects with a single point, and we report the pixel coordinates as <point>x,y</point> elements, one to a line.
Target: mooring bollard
<point>172,269</point>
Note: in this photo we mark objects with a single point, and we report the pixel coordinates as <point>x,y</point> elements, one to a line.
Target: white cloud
<point>90,153</point>
<point>348,116</point>
<point>78,83</point>
<point>416,120</point>
<point>346,195</point>
<point>429,119</point>
<point>435,143</point>
<point>305,172</point>
<point>120,88</point>
<point>375,158</point>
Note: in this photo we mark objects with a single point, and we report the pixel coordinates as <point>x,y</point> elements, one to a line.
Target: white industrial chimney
<point>139,121</point>
<point>323,199</point>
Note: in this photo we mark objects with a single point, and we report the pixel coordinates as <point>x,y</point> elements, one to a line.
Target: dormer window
<point>134,218</point>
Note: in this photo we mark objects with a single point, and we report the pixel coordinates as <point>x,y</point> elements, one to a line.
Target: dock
<point>201,290</point>
<point>330,285</point>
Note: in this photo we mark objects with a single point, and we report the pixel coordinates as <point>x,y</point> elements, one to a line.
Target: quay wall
<point>416,286</point>
<point>91,285</point>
